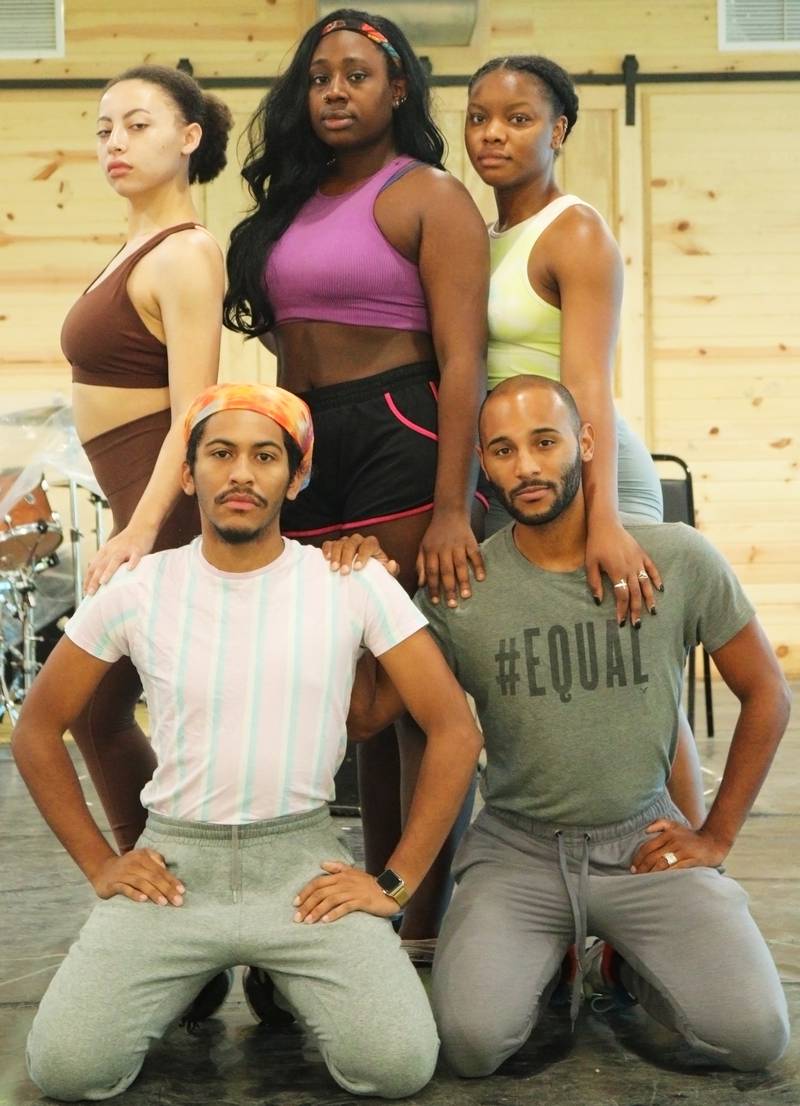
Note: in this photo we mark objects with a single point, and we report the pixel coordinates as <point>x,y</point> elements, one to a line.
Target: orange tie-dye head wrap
<point>284,408</point>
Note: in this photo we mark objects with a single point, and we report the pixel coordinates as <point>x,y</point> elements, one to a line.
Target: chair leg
<point>707,689</point>
<point>690,689</point>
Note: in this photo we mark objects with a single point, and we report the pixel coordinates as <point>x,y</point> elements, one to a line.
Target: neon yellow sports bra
<point>524,330</point>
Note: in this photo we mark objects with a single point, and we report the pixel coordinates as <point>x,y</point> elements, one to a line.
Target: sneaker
<point>602,984</point>
<point>209,999</point>
<point>259,991</point>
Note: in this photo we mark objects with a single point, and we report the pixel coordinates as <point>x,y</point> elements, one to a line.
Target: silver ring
<point>621,584</point>
<point>670,858</point>
<point>643,575</point>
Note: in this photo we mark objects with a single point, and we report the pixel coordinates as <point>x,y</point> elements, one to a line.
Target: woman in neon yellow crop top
<point>554,304</point>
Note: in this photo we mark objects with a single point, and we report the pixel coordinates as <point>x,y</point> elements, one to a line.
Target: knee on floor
<point>392,1069</point>
<point>760,1042</point>
<point>474,1049</point>
<point>758,1037</point>
<point>71,1074</point>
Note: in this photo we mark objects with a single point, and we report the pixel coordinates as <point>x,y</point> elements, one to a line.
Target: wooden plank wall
<point>725,328</point>
<point>248,37</point>
<point>702,194</point>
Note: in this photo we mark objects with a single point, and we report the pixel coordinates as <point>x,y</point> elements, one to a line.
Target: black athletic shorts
<point>375,449</point>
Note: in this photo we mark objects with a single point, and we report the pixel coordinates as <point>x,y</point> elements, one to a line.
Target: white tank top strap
<point>521,238</point>
<point>550,213</point>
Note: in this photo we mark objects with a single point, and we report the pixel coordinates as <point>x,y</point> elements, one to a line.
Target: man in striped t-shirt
<point>246,644</point>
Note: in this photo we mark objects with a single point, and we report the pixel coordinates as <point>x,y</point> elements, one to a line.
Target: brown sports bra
<point>103,337</point>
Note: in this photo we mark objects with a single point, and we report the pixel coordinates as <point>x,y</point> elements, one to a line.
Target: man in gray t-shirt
<point>579,716</point>
<point>590,697</point>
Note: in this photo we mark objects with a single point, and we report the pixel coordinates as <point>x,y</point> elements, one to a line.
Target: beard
<point>234,535</point>
<point>566,489</point>
<point>241,535</point>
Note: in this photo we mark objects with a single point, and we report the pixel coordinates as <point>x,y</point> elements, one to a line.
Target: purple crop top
<point>333,264</point>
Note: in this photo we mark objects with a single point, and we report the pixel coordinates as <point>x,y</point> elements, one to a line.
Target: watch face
<point>388,881</point>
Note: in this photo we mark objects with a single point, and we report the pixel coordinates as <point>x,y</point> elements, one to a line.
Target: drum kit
<point>40,579</point>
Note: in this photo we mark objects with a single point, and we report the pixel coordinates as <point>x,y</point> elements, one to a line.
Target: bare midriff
<point>97,409</point>
<point>316,354</point>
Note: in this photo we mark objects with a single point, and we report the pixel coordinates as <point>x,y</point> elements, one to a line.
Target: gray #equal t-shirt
<point>579,716</point>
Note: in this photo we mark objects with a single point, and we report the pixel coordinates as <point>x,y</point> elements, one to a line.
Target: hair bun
<point>210,157</point>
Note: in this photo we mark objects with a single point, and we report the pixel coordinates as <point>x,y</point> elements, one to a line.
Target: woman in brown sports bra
<point>143,340</point>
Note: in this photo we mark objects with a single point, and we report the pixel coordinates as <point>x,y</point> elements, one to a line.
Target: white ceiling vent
<point>31,28</point>
<point>758,24</point>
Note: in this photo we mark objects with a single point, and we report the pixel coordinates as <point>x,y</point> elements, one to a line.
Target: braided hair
<point>554,81</point>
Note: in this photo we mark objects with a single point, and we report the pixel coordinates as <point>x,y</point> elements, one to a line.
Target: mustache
<point>527,485</point>
<point>241,493</point>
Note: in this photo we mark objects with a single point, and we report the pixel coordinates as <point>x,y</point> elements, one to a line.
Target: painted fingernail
<point>325,918</point>
<point>637,624</point>
<point>653,611</point>
<point>597,600</point>
<point>308,920</point>
<point>162,901</point>
<point>622,622</point>
<point>296,901</point>
<point>298,917</point>
<point>660,587</point>
<point>181,888</point>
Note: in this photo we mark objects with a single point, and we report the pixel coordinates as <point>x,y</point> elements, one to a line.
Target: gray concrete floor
<point>623,1060</point>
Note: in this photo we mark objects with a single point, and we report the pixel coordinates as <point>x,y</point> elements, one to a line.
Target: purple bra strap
<point>401,172</point>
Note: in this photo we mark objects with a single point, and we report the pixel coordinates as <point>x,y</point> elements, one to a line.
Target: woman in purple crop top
<point>364,265</point>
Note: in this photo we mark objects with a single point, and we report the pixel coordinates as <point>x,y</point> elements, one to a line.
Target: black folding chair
<point>678,493</point>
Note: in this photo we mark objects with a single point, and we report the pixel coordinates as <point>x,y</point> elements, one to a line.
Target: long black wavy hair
<point>287,163</point>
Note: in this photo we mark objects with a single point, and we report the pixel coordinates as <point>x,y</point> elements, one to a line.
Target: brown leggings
<point>118,755</point>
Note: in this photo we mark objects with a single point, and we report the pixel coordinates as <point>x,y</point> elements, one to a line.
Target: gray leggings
<point>693,954</point>
<point>638,486</point>
<point>136,966</point>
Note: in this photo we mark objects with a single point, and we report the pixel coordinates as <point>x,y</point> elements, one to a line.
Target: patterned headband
<point>366,29</point>
<point>284,408</point>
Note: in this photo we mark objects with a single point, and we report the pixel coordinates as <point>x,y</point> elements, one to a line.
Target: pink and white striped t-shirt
<point>247,675</point>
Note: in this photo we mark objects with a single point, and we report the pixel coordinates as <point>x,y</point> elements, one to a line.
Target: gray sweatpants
<point>136,966</point>
<point>526,890</point>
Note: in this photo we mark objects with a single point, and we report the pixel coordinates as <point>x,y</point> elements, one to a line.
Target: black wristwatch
<point>392,885</point>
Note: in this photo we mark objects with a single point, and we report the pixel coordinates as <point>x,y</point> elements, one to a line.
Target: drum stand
<point>99,505</point>
<point>75,535</point>
<point>22,604</point>
<point>75,541</point>
<point>20,594</point>
<point>7,701</point>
